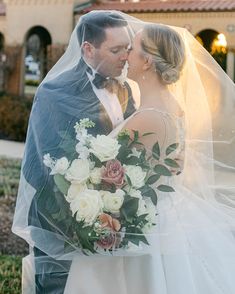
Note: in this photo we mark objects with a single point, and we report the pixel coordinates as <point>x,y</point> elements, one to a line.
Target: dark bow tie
<point>99,81</point>
<point>112,85</point>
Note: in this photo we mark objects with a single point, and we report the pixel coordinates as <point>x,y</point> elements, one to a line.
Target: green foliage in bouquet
<point>108,194</point>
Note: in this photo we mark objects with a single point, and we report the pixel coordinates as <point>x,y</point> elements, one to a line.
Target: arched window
<point>36,43</point>
<point>215,43</point>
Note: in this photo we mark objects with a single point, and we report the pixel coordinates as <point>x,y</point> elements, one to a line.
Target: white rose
<point>104,147</point>
<point>135,193</point>
<point>60,167</point>
<point>136,175</point>
<point>74,191</point>
<point>95,175</point>
<point>88,206</point>
<point>113,201</point>
<point>78,172</point>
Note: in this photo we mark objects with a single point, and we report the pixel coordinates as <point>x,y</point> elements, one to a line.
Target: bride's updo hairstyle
<point>167,49</point>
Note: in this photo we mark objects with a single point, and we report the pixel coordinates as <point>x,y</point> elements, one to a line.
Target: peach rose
<point>109,226</point>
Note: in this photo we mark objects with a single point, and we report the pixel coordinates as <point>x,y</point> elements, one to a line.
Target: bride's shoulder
<point>147,119</point>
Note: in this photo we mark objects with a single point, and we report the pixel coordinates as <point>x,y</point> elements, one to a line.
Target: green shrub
<point>10,274</point>
<point>32,83</point>
<point>14,115</point>
<point>9,176</point>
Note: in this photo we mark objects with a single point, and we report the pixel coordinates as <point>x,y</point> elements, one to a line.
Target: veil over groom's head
<point>92,26</point>
<point>104,40</point>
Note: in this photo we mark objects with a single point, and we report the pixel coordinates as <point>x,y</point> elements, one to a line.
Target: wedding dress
<point>189,253</point>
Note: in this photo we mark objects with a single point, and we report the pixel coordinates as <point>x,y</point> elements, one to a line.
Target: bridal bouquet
<point>108,189</point>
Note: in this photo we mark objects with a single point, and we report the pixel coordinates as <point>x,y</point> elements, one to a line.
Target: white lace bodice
<point>179,123</point>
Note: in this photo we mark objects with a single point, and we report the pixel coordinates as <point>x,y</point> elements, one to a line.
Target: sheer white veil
<point>207,97</point>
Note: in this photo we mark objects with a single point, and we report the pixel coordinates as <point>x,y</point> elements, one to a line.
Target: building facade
<point>52,22</point>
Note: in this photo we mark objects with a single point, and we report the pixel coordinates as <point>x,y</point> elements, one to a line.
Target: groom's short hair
<point>92,26</point>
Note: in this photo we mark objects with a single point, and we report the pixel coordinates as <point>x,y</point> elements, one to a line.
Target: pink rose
<point>110,226</point>
<point>113,173</point>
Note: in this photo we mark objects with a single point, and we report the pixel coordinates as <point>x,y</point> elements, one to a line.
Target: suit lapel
<point>85,88</point>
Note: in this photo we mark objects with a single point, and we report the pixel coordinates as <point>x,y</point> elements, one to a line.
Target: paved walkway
<point>11,149</point>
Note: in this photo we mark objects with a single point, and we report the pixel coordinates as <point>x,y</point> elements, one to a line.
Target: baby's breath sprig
<point>84,123</point>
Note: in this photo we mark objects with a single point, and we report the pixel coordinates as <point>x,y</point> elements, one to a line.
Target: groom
<point>88,90</point>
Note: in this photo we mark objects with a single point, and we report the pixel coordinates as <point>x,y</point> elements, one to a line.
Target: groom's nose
<point>124,56</point>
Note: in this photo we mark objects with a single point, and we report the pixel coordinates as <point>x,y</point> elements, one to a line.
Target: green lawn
<point>10,262</point>
<point>9,176</point>
<point>10,274</point>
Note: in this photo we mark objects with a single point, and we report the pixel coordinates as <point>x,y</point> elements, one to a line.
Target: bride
<point>186,98</point>
<point>193,249</point>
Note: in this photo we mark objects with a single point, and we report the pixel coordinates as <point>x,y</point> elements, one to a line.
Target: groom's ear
<point>148,62</point>
<point>87,50</point>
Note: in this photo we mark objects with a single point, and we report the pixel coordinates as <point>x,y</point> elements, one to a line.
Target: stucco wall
<point>54,15</point>
<point>197,21</point>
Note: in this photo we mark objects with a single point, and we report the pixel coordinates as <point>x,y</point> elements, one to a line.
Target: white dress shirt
<point>109,101</point>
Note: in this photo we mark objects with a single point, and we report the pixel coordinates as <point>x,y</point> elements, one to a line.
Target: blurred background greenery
<point>12,248</point>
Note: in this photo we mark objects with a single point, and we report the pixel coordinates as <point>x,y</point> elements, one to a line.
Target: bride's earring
<point>143,77</point>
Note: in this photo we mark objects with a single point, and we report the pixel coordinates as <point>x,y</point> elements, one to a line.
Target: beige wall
<point>198,21</point>
<point>53,15</point>
<point>57,17</point>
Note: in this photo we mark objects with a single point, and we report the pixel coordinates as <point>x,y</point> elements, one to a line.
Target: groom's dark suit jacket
<point>58,105</point>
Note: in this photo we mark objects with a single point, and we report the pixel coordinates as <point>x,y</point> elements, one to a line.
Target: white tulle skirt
<point>193,251</point>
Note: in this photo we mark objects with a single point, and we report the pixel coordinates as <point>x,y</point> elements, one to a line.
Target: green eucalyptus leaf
<point>171,148</point>
<point>136,135</point>
<point>170,162</point>
<point>165,188</point>
<point>153,179</point>
<point>147,134</point>
<point>162,170</point>
<point>129,207</point>
<point>141,218</point>
<point>123,153</point>
<point>153,196</point>
<point>61,183</point>
<point>132,160</point>
<point>123,138</point>
<point>135,236</point>
<point>136,240</point>
<point>147,191</point>
<point>156,151</point>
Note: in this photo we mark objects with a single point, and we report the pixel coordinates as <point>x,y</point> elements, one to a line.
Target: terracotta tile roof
<point>2,8</point>
<point>160,6</point>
